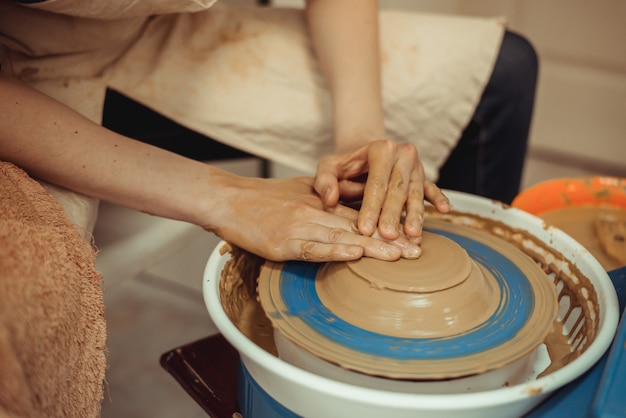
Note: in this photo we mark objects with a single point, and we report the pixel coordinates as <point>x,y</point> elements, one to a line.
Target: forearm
<point>345,38</point>
<point>58,145</point>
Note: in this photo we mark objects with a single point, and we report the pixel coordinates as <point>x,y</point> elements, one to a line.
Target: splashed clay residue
<point>569,334</point>
<point>578,319</point>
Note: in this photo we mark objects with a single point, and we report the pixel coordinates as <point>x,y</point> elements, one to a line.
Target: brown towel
<point>52,329</point>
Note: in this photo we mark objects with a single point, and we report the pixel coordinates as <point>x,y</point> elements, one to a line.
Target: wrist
<point>211,200</point>
<point>354,129</point>
<point>354,141</point>
<point>205,197</point>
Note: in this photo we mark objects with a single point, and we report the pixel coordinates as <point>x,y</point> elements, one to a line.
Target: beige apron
<point>247,76</point>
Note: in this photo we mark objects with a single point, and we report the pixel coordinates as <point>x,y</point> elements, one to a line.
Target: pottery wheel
<point>471,303</point>
<point>441,294</point>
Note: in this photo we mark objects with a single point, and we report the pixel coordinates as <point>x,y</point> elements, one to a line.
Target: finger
<point>334,170</point>
<point>435,196</point>
<point>414,218</point>
<point>402,181</point>
<point>410,249</point>
<point>381,160</point>
<point>322,252</point>
<point>346,221</point>
<point>326,182</point>
<point>332,244</point>
<point>351,190</point>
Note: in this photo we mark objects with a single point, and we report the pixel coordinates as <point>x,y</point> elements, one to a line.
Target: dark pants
<point>489,158</point>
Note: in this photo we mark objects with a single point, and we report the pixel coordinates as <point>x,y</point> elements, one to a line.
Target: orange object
<point>577,191</point>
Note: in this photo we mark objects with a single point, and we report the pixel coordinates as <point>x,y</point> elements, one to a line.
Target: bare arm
<point>276,219</point>
<point>56,144</point>
<point>345,35</point>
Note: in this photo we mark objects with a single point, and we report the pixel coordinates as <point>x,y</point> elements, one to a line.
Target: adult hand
<point>284,219</point>
<point>395,184</point>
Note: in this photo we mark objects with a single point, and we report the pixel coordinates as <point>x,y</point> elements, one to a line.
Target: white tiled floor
<point>147,316</point>
<point>152,270</point>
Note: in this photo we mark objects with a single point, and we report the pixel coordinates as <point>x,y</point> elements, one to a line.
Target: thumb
<point>327,186</point>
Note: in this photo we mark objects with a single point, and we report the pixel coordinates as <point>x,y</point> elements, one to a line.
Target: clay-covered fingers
<point>434,195</point>
<point>394,187</point>
<point>326,183</point>
<point>414,214</point>
<point>320,252</point>
<point>336,244</point>
<point>335,232</point>
<point>334,174</point>
<point>404,195</point>
<point>409,247</point>
<point>382,157</point>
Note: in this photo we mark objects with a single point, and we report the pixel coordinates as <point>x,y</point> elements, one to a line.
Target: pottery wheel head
<point>442,265</point>
<point>469,304</point>
<point>440,294</point>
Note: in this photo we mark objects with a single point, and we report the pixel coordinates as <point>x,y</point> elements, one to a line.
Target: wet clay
<point>442,293</point>
<point>405,299</point>
<point>570,334</point>
<point>238,295</point>
<point>601,230</point>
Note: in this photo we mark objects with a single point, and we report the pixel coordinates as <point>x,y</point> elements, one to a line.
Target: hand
<point>395,184</point>
<point>284,219</point>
